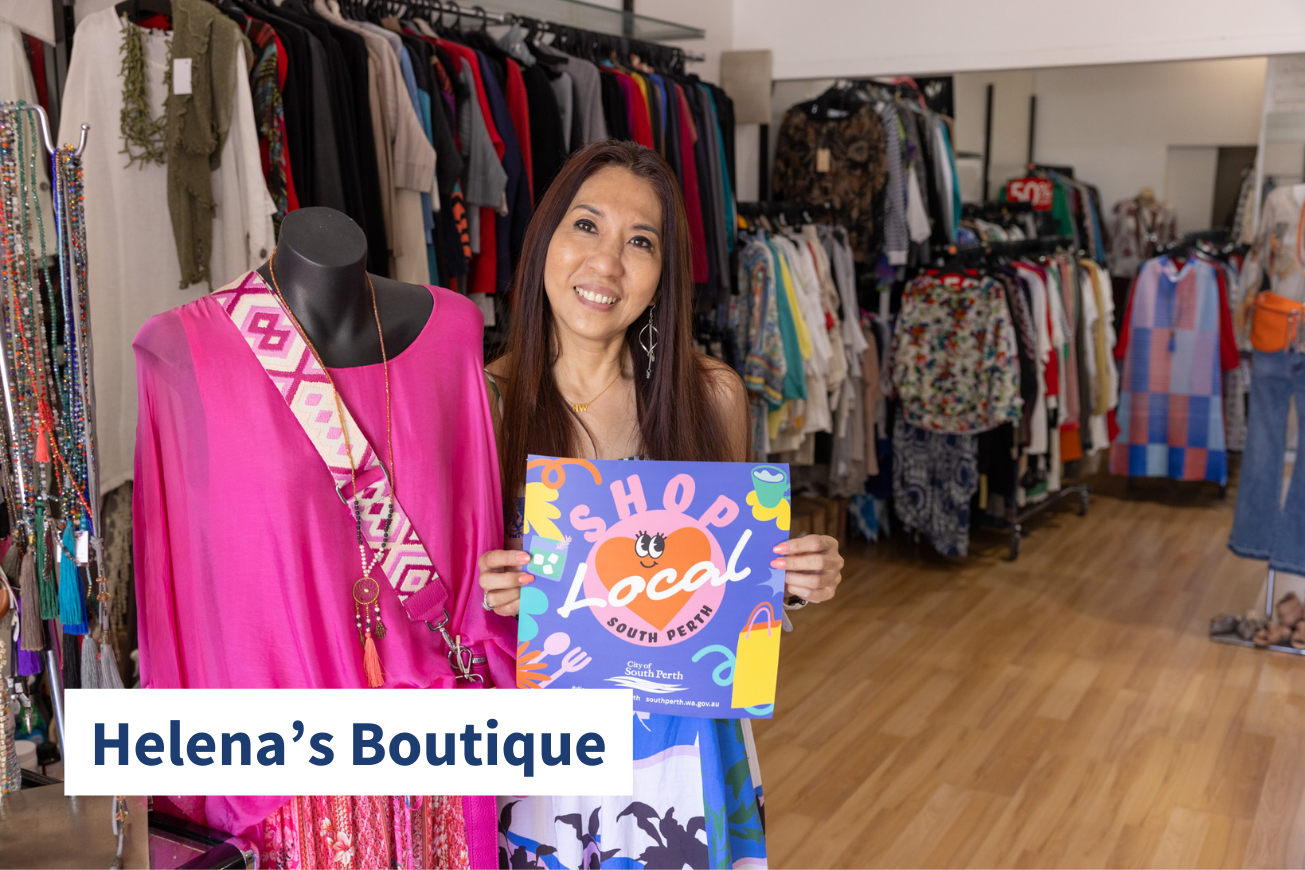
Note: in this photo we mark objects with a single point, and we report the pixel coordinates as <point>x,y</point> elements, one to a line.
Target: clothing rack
<point>566,34</point>
<point>1016,518</point>
<point>986,210</point>
<point>1067,171</point>
<point>1014,522</point>
<point>1216,237</point>
<point>969,254</point>
<point>793,212</point>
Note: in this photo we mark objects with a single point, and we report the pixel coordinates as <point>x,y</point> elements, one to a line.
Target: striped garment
<point>1170,412</point>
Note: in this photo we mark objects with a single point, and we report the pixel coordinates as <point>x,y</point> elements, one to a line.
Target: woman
<point>607,254</point>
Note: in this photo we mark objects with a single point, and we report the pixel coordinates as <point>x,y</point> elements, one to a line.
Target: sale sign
<point>656,577</point>
<point>1038,191</point>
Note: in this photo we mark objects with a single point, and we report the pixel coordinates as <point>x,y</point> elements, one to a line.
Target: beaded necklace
<point>46,393</point>
<point>366,589</point>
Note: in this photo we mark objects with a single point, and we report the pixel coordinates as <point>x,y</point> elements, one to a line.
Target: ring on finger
<point>484,601</point>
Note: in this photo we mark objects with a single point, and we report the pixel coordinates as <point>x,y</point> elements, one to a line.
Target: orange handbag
<point>1275,322</point>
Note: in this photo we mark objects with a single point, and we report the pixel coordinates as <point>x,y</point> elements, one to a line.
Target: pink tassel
<point>372,664</point>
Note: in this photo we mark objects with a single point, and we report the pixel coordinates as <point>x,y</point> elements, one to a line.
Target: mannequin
<point>321,268</point>
<point>1146,197</point>
<point>246,552</point>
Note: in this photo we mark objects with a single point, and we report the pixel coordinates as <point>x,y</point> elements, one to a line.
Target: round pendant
<point>366,590</point>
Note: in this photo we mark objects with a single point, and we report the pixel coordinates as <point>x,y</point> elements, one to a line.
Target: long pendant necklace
<point>366,589</point>
<point>584,406</point>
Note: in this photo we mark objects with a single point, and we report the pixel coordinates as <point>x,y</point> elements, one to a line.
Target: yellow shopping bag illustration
<point>757,661</point>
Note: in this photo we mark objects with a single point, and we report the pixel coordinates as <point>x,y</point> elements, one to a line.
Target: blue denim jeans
<point>1264,526</point>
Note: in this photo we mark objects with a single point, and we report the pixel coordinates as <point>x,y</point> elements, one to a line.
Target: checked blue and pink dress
<point>1170,413</point>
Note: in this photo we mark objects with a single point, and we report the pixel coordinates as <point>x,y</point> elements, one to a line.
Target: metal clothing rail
<point>479,12</point>
<point>1015,519</point>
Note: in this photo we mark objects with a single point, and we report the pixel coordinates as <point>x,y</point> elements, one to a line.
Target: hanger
<point>136,10</point>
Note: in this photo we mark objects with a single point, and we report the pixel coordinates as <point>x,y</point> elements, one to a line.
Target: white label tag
<point>822,160</point>
<point>181,76</point>
<point>83,548</point>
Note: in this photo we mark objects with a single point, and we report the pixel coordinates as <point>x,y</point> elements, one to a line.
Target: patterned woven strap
<point>307,390</point>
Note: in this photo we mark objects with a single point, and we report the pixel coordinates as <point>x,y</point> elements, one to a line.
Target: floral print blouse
<point>955,361</point>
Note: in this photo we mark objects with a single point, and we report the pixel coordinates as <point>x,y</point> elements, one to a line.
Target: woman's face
<point>605,258</point>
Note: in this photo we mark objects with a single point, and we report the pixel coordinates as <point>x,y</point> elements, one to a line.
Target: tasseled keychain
<point>72,603</point>
<point>110,676</point>
<point>90,671</point>
<point>11,564</point>
<point>49,593</point>
<point>31,631</point>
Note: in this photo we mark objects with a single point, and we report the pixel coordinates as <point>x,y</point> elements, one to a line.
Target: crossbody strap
<point>306,388</point>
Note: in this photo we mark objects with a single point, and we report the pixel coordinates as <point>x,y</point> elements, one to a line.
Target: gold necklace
<point>584,406</point>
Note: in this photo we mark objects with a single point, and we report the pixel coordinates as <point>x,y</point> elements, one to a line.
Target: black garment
<point>725,112</point>
<point>342,189</point>
<point>1028,364</point>
<point>328,179</point>
<point>296,98</point>
<point>655,115</point>
<point>615,111</point>
<point>547,144</point>
<point>354,51</point>
<point>712,293</point>
<point>673,156</point>
<point>996,460</point>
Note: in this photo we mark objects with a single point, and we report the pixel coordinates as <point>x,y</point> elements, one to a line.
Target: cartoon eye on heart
<point>648,546</point>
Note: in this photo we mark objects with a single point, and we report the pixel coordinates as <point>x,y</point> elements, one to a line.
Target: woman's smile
<point>596,296</point>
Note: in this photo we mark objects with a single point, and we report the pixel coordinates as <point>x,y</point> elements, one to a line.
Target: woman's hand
<point>501,579</point>
<point>813,569</point>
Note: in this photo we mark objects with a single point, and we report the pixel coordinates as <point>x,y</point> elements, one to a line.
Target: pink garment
<point>245,556</point>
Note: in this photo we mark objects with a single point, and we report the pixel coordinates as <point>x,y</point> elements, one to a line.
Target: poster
<point>656,577</point>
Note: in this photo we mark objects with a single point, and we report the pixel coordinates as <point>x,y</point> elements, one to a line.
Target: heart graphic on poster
<point>618,559</point>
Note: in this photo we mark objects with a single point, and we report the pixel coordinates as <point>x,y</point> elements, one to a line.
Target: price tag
<point>181,76</point>
<point>822,160</point>
<point>83,548</point>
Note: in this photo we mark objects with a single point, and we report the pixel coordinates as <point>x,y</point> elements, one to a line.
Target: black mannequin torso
<point>321,270</point>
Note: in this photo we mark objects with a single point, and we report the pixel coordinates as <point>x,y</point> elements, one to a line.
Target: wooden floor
<point>1064,710</point>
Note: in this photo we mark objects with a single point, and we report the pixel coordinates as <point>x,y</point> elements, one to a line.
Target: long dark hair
<point>676,418</point>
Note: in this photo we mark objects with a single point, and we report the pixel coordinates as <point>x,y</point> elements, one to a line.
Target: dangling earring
<point>648,340</point>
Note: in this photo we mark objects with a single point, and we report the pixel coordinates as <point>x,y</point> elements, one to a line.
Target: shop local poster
<point>656,577</point>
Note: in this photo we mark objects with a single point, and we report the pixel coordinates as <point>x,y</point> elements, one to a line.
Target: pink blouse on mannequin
<point>245,555</point>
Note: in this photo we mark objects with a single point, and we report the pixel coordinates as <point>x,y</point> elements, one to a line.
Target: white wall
<point>827,38</point>
<point>1010,120</point>
<point>1115,124</point>
<point>1189,185</point>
